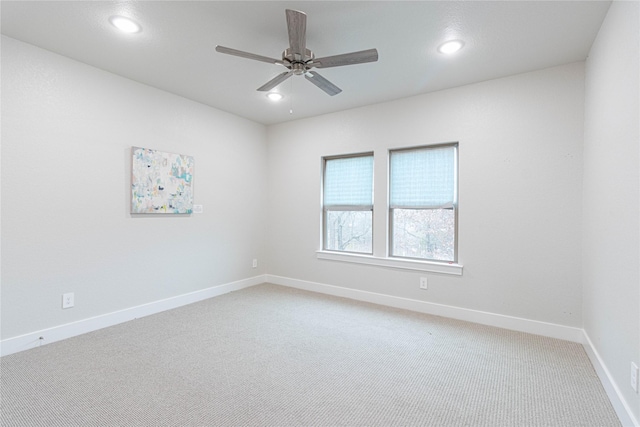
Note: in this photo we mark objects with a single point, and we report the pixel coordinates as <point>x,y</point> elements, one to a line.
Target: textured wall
<point>520,192</point>
<point>611,205</point>
<point>67,132</point>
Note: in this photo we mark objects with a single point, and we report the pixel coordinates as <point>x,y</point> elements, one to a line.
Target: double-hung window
<point>423,203</point>
<point>348,203</point>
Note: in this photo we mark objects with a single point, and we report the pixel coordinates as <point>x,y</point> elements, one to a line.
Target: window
<point>423,203</point>
<point>420,209</point>
<point>348,203</point>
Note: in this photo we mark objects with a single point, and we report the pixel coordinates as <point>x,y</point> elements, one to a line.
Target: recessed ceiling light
<point>126,25</point>
<point>275,96</point>
<point>450,46</point>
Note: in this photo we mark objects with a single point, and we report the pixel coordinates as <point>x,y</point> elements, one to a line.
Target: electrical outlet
<point>423,283</point>
<point>634,377</point>
<point>255,263</point>
<point>67,300</point>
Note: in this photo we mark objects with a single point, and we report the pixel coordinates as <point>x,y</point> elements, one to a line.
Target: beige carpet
<point>274,356</point>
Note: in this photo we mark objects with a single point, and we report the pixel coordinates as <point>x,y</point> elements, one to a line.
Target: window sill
<point>404,264</point>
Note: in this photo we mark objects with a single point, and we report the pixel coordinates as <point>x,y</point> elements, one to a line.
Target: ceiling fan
<point>299,60</point>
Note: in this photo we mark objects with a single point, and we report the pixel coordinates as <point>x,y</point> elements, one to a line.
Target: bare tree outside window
<point>424,233</point>
<point>349,231</point>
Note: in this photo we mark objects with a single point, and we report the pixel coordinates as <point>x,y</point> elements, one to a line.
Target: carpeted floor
<point>275,356</point>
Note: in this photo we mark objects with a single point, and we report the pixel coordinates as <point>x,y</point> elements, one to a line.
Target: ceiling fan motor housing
<point>295,62</point>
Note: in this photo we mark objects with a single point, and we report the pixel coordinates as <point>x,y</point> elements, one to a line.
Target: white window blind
<point>348,182</point>
<point>423,178</point>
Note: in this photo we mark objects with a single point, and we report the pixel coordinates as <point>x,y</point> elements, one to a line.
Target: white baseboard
<point>484,318</point>
<point>613,392</point>
<point>57,333</point>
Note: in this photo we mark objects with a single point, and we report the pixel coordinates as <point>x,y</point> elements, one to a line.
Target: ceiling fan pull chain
<point>291,99</point>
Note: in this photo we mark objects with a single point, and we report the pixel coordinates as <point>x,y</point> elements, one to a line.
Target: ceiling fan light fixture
<point>275,96</point>
<point>126,25</point>
<point>450,46</point>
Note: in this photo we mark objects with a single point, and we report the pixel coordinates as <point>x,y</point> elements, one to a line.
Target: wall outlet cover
<point>68,300</point>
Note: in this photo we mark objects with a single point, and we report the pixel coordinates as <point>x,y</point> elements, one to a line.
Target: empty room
<point>320,213</point>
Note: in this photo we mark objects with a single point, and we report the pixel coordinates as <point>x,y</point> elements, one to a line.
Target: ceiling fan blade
<point>369,55</point>
<point>322,83</point>
<point>297,26</point>
<point>247,55</point>
<point>275,81</point>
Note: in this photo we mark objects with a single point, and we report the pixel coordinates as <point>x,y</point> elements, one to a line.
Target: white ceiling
<point>175,51</point>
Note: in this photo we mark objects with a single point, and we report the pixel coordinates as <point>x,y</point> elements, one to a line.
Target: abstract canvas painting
<point>161,182</point>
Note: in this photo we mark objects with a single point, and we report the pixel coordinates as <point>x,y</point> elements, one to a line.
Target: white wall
<point>67,132</point>
<point>520,192</point>
<point>611,207</point>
